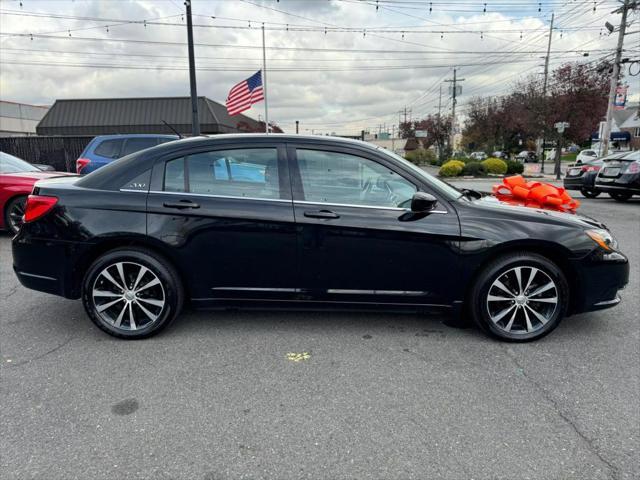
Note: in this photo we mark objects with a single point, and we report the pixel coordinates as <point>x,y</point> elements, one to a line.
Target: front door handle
<point>181,204</point>
<point>328,214</point>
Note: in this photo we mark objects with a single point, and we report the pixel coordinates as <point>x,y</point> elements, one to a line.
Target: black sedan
<point>311,222</point>
<point>582,176</point>
<point>620,177</point>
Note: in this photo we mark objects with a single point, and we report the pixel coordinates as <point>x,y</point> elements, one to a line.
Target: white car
<point>586,156</point>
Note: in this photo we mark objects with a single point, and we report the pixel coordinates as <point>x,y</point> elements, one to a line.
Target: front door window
<point>344,179</point>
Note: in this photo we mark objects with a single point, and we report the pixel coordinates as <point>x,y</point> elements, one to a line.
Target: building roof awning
<point>615,136</point>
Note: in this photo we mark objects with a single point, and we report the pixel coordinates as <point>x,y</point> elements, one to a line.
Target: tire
<point>518,318</point>
<point>620,196</point>
<point>589,193</point>
<point>13,213</point>
<point>153,298</point>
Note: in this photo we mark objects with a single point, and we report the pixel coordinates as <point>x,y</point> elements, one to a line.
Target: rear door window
<point>247,172</point>
<point>109,148</point>
<point>136,144</point>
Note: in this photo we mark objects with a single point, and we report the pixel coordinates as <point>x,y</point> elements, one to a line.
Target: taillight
<point>81,163</point>
<point>589,168</point>
<point>633,168</point>
<point>37,206</point>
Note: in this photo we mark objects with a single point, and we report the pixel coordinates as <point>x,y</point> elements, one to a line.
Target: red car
<point>16,182</point>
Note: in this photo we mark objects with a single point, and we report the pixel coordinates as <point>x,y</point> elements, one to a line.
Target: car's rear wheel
<point>519,297</point>
<point>619,196</point>
<point>132,293</point>
<point>13,213</point>
<point>589,193</point>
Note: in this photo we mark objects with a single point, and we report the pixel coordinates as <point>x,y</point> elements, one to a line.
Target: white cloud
<point>313,97</point>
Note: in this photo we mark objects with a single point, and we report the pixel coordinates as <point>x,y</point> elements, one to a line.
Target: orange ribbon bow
<point>517,191</point>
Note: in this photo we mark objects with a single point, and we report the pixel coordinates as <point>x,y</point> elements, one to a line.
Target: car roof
<point>134,135</point>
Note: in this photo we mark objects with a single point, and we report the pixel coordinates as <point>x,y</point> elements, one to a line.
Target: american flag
<point>245,94</point>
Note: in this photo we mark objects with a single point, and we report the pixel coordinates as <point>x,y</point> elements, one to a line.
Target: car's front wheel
<point>588,193</point>
<point>619,196</point>
<point>132,293</point>
<point>519,297</point>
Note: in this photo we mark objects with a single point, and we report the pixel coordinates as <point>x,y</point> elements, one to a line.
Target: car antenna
<point>172,129</point>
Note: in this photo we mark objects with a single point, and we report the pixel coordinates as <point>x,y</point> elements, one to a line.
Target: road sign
<point>422,134</point>
<point>562,126</point>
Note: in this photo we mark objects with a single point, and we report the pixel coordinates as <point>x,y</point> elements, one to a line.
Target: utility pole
<point>440,103</point>
<point>546,59</point>
<point>454,95</point>
<point>195,120</point>
<point>544,90</point>
<point>606,134</point>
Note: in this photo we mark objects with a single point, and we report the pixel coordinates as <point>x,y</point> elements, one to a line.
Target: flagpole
<point>264,83</point>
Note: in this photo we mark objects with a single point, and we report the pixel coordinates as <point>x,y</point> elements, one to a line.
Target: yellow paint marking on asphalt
<point>298,357</point>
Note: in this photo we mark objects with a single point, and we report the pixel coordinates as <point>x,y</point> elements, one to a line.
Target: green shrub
<point>514,167</point>
<point>420,156</point>
<point>495,165</point>
<point>473,168</point>
<point>452,168</point>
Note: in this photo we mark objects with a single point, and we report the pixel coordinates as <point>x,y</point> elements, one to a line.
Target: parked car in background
<point>479,156</point>
<point>527,156</point>
<point>318,222</point>
<point>44,168</point>
<point>620,177</point>
<point>586,156</point>
<point>583,176</point>
<point>500,154</point>
<point>104,149</point>
<point>17,178</point>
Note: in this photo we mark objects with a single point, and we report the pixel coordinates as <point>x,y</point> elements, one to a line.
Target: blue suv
<point>104,149</point>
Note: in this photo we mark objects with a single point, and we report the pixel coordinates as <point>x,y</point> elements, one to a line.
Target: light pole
<point>560,127</point>
<point>195,120</point>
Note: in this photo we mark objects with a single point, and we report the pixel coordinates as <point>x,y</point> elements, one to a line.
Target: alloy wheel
<point>128,296</point>
<point>522,300</point>
<point>16,213</point>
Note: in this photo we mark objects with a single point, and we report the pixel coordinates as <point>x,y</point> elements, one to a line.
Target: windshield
<point>448,190</point>
<point>11,164</point>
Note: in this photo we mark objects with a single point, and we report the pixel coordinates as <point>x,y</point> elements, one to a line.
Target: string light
<point>484,10</point>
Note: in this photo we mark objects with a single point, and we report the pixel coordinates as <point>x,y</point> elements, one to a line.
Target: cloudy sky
<point>375,57</point>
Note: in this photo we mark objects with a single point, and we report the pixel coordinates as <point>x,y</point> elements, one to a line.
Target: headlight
<point>603,238</point>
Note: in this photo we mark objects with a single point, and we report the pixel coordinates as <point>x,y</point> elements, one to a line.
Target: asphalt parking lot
<point>377,396</point>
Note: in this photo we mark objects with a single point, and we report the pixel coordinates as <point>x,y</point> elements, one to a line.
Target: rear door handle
<point>328,214</point>
<point>181,204</point>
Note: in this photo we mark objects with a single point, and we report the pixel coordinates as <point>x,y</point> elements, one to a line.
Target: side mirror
<point>423,202</point>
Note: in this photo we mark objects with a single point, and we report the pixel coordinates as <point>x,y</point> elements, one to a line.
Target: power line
<point>291,49</point>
